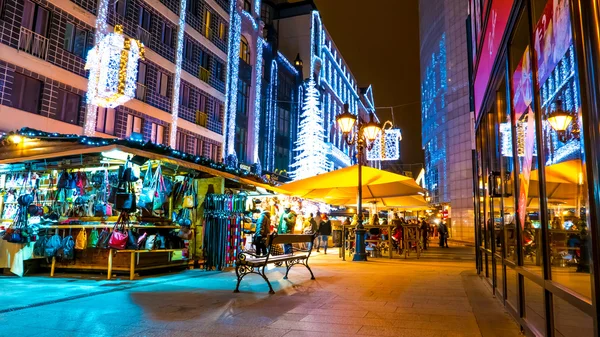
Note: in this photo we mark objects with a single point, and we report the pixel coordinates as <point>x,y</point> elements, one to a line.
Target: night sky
<point>379,39</point>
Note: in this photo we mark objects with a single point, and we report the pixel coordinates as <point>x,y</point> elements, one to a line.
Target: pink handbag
<point>119,235</point>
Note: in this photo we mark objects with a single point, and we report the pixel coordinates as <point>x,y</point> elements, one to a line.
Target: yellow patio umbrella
<point>342,185</point>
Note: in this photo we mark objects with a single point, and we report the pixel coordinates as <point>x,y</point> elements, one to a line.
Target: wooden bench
<point>249,263</point>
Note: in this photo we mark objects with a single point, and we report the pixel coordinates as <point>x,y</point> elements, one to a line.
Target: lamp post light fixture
<point>364,136</point>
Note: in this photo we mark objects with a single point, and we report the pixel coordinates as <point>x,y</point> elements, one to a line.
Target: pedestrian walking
<point>324,233</point>
<point>425,233</point>
<point>443,234</point>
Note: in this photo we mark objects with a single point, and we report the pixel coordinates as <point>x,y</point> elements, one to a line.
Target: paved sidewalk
<point>427,297</point>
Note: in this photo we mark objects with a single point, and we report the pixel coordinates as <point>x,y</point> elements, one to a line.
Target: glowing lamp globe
<point>113,66</point>
<point>346,120</point>
<point>559,119</point>
<point>371,130</point>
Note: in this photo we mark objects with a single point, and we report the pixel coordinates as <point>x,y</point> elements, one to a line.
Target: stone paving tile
<point>316,327</point>
<point>330,312</point>
<point>298,333</point>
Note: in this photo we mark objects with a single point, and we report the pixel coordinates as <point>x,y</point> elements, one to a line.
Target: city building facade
<point>292,53</point>
<point>180,96</point>
<point>445,113</point>
<point>535,97</point>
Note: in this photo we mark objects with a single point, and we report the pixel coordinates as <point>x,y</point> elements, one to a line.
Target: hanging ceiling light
<point>559,119</point>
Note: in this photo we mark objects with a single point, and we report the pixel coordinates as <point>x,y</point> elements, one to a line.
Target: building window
<point>222,30</point>
<point>121,7</point>
<point>192,7</point>
<point>75,40</point>
<point>181,141</point>
<point>67,107</point>
<point>35,18</point>
<point>248,6</point>
<point>204,59</point>
<point>134,124</point>
<point>144,19</point>
<point>162,83</point>
<point>26,93</point>
<point>201,102</point>
<point>167,35</point>
<point>220,71</point>
<point>184,96</point>
<point>218,111</point>
<point>142,68</point>
<point>188,50</point>
<point>244,50</point>
<point>242,98</point>
<point>105,121</point>
<point>198,146</point>
<point>157,133</point>
<point>266,14</point>
<point>213,152</point>
<point>207,17</point>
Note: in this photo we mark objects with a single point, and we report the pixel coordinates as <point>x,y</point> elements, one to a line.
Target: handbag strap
<point>148,177</point>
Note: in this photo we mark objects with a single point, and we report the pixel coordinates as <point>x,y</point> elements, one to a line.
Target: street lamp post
<point>365,135</point>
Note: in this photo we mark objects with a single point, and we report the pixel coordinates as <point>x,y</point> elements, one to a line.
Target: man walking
<point>324,233</point>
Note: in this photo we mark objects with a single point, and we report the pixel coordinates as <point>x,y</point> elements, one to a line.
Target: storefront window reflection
<point>565,176</point>
<point>527,195</point>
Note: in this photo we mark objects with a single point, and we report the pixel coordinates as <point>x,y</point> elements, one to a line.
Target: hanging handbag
<point>119,235</point>
<point>92,241</point>
<point>125,201</point>
<point>128,174</point>
<point>103,238</point>
<point>81,240</point>
<point>189,200</point>
<point>150,242</point>
<point>132,239</point>
<point>160,191</point>
<point>148,188</point>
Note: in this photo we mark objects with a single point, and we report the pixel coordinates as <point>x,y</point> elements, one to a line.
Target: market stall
<point>115,206</point>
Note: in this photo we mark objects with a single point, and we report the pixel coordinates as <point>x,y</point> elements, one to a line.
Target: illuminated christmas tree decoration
<point>113,65</point>
<point>386,146</point>
<point>311,152</point>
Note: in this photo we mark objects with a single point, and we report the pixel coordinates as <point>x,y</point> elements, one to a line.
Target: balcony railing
<point>204,74</point>
<point>144,36</point>
<point>201,118</point>
<point>33,43</point>
<point>140,92</point>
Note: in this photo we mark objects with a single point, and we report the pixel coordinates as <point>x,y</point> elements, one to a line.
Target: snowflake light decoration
<point>113,66</point>
<point>386,146</point>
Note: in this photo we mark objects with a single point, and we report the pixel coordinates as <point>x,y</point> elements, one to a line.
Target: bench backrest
<point>277,239</point>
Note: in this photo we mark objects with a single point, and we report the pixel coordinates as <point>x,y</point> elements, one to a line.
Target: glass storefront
<point>535,230</point>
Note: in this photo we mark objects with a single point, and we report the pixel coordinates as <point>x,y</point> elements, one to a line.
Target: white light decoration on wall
<point>287,63</point>
<point>177,77</point>
<point>258,85</point>
<point>113,65</point>
<point>251,18</point>
<point>233,63</point>
<point>311,152</point>
<point>272,116</point>
<point>386,146</point>
<point>257,7</point>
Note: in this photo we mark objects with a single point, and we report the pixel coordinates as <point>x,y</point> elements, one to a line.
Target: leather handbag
<point>81,240</point>
<point>92,241</point>
<point>103,239</point>
<point>118,237</point>
<point>148,188</point>
<point>150,242</point>
<point>128,174</point>
<point>132,239</point>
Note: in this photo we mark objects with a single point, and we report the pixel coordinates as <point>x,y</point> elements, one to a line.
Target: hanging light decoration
<point>113,66</point>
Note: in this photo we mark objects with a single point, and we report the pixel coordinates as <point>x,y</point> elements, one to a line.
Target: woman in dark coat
<point>263,227</point>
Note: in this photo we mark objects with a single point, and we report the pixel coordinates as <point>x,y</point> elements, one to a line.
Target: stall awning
<point>335,186</point>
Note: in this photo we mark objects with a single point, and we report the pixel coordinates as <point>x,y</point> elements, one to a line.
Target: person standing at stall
<point>324,233</point>
<point>318,220</point>
<point>287,221</point>
<point>424,233</point>
<point>443,229</point>
<point>263,228</point>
